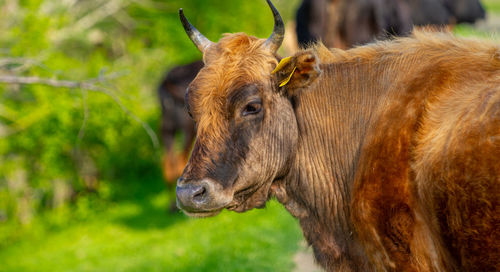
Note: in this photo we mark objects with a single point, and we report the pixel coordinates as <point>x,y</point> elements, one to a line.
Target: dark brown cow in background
<point>346,23</point>
<point>430,12</point>
<point>311,20</point>
<point>175,120</point>
<point>363,21</point>
<point>465,11</point>
<point>388,154</point>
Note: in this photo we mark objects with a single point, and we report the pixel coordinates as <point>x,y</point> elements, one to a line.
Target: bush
<point>61,145</point>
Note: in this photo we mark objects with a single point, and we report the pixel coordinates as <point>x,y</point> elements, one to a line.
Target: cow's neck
<point>332,118</point>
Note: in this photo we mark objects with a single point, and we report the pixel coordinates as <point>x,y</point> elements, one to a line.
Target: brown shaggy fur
<point>225,74</point>
<point>396,166</point>
<point>433,155</point>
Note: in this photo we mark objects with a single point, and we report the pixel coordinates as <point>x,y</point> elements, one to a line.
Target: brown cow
<point>347,23</point>
<point>174,118</point>
<point>388,154</point>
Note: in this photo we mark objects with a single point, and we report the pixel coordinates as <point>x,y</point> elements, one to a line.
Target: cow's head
<point>246,128</point>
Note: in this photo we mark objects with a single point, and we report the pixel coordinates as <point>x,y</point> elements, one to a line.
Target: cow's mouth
<point>249,198</point>
<point>202,198</point>
<point>202,213</point>
<point>199,211</point>
<point>207,198</point>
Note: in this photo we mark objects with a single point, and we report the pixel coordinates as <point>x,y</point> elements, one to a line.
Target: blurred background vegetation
<point>81,187</point>
<point>80,180</point>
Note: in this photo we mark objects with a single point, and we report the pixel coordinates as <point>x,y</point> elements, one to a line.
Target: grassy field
<point>140,235</point>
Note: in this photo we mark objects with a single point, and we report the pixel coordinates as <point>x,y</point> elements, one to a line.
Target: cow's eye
<point>252,108</point>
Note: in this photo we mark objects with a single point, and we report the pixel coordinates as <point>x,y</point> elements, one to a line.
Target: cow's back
<point>427,187</point>
<point>457,172</point>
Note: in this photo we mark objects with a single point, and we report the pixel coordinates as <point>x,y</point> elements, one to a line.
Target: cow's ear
<point>297,72</point>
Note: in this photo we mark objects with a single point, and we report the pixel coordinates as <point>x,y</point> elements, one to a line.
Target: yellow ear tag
<point>285,81</point>
<point>282,64</point>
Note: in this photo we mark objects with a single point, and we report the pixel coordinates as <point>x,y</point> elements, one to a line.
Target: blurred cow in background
<point>175,119</point>
<point>346,23</point>
<point>429,12</point>
<point>465,11</point>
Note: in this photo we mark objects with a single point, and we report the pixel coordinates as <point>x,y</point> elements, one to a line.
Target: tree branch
<point>89,20</point>
<point>84,85</point>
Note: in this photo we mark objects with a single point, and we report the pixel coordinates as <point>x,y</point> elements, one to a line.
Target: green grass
<point>141,235</point>
<point>470,31</point>
<point>491,6</point>
<point>466,30</point>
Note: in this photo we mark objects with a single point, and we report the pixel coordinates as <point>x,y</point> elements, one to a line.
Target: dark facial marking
<point>243,124</point>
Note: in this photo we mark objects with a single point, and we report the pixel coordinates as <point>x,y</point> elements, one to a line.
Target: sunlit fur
<point>427,131</point>
<point>396,166</point>
<point>237,59</point>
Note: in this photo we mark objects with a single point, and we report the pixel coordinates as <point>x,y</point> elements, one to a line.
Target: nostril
<point>199,193</point>
<point>194,195</point>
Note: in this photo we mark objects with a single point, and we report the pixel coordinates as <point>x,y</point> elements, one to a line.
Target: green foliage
<point>66,154</point>
<point>139,236</point>
<point>492,6</point>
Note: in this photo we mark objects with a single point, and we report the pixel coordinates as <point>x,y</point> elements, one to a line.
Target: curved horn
<point>276,38</point>
<point>196,37</point>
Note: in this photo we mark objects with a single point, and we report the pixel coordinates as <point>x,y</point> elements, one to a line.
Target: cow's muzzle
<point>201,198</point>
